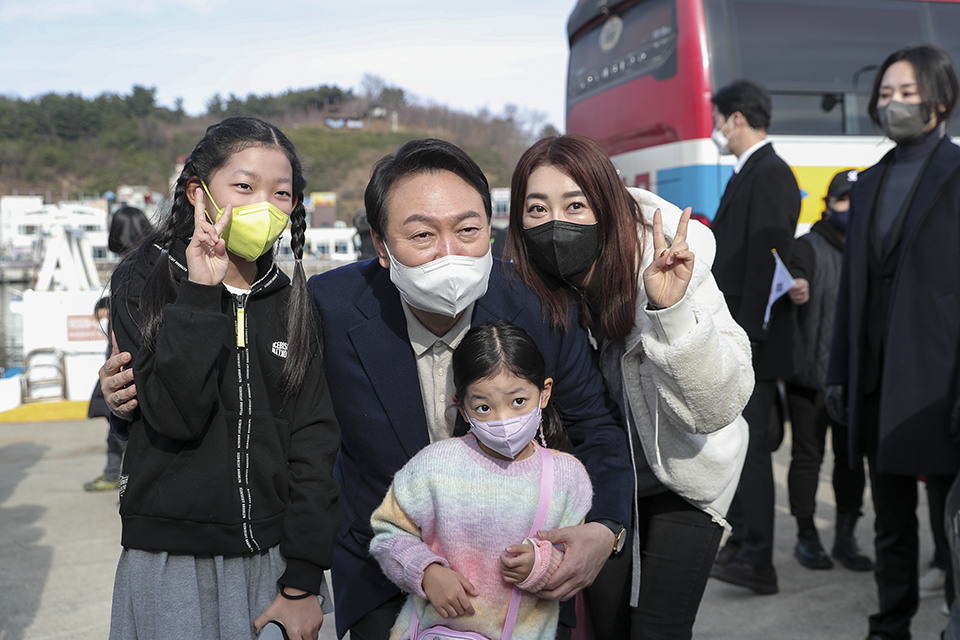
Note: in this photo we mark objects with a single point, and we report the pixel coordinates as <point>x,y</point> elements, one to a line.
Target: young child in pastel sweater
<point>452,530</point>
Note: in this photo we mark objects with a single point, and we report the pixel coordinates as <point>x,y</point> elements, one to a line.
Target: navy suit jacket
<point>372,373</point>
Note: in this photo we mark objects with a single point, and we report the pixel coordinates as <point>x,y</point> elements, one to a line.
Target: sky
<point>465,54</point>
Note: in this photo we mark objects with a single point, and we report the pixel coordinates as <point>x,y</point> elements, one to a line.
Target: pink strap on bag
<point>441,632</point>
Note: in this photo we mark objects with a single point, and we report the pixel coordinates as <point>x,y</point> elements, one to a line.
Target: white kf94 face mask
<point>720,139</point>
<point>445,286</point>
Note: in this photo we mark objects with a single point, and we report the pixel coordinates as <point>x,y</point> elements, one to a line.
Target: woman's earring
<point>543,440</point>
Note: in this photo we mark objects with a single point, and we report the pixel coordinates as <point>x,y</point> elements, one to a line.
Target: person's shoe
<point>744,574</point>
<point>846,551</point>
<point>933,582</point>
<point>850,557</point>
<point>101,484</point>
<point>726,554</point>
<point>810,553</point>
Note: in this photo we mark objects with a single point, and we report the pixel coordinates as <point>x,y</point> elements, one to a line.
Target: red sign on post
<point>83,328</point>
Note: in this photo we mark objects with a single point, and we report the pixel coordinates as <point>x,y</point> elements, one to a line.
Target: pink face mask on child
<point>508,437</point>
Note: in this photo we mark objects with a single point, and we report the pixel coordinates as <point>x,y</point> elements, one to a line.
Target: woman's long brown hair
<point>619,222</point>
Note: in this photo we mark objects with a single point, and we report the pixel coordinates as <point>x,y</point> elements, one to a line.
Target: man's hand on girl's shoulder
<point>116,383</point>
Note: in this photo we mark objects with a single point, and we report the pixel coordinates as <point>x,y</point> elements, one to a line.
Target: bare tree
<point>371,88</point>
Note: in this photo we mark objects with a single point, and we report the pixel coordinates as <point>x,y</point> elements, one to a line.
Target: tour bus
<point>641,73</point>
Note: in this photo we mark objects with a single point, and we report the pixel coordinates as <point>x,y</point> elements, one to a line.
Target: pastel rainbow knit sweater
<point>457,506</point>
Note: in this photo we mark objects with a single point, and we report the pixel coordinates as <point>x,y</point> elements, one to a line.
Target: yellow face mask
<point>253,228</point>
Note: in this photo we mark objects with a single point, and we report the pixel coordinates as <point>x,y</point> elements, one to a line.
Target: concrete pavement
<point>59,547</point>
<point>825,604</point>
<point>59,544</point>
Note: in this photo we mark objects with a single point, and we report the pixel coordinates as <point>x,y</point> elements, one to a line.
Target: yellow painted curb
<point>47,411</point>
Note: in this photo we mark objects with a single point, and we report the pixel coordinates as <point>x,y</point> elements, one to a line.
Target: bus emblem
<point>611,32</point>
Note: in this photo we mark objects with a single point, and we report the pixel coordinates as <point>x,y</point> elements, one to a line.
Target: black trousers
<point>115,450</point>
<point>751,514</point>
<point>809,418</point>
<point>376,625</point>
<point>678,543</point>
<point>896,540</point>
<point>941,547</point>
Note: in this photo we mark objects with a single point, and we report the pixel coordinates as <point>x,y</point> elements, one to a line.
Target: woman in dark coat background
<point>896,349</point>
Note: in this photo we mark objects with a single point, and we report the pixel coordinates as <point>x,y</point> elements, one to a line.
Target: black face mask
<point>563,249</point>
<point>839,219</point>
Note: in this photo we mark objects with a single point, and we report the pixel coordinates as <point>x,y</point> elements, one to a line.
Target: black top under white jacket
<point>218,461</point>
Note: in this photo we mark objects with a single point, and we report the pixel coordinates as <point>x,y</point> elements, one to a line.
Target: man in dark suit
<point>389,328</point>
<point>757,214</point>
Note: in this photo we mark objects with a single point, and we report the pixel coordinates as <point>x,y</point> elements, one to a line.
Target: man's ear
<point>381,248</point>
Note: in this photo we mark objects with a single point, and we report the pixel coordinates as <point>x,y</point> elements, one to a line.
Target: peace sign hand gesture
<point>667,277</point>
<point>207,259</point>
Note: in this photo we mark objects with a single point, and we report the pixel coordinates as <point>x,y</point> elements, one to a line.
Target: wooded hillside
<point>71,144</point>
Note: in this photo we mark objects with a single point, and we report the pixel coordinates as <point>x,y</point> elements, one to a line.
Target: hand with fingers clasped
<point>448,591</point>
<point>666,279</point>
<point>207,259</point>
<point>517,563</point>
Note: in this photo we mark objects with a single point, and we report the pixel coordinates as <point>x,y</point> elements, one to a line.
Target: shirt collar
<point>422,338</point>
<point>746,155</point>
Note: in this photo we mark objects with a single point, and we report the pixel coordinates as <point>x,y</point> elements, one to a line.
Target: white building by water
<point>334,243</point>
<point>25,220</point>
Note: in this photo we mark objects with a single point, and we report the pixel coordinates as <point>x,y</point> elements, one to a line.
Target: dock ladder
<point>43,370</point>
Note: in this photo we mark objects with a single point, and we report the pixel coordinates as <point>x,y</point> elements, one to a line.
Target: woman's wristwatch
<point>619,532</point>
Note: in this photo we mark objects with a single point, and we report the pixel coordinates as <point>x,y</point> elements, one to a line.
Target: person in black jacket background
<point>895,362</point>
<point>815,265</point>
<point>758,213</point>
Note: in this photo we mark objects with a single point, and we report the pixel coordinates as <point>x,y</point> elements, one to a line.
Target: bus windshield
<point>639,39</point>
<point>818,58</point>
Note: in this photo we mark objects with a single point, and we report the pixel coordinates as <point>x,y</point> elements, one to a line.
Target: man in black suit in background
<point>758,213</point>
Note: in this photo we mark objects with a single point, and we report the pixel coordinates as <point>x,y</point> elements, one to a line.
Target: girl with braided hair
<point>227,496</point>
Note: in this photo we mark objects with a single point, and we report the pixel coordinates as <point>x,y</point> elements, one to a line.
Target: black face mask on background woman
<point>903,122</point>
<point>563,249</point>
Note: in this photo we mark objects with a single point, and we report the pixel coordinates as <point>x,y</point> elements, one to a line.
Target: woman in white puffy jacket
<point>672,357</point>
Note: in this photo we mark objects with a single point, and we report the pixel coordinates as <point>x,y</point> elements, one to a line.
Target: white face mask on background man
<point>720,139</point>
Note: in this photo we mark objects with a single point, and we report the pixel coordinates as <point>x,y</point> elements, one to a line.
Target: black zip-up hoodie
<point>218,461</point>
